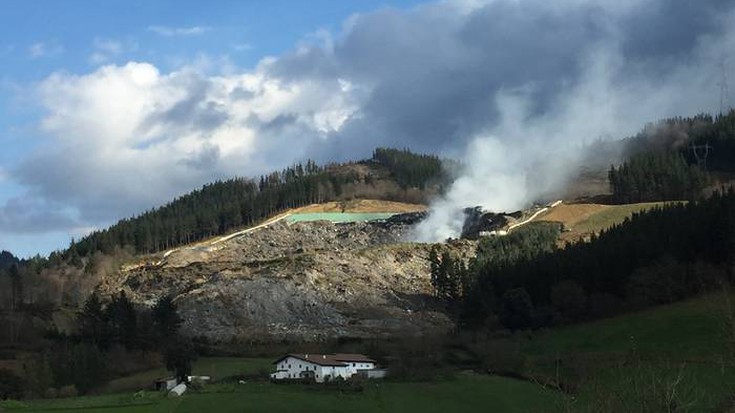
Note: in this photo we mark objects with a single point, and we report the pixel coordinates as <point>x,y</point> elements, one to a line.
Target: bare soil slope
<point>361,205</point>
<point>582,220</point>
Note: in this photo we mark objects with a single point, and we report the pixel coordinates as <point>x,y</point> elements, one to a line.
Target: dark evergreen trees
<point>449,276</point>
<point>409,169</point>
<point>11,386</point>
<point>179,355</point>
<point>91,321</point>
<point>121,317</point>
<point>658,256</point>
<point>679,134</point>
<point>16,287</point>
<point>653,177</point>
<point>166,320</point>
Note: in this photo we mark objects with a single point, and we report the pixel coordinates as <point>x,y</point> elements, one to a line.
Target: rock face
<point>303,281</point>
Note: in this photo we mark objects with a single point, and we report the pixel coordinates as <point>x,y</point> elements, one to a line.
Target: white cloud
<point>242,47</point>
<point>106,50</point>
<point>141,137</point>
<point>42,49</point>
<point>179,31</point>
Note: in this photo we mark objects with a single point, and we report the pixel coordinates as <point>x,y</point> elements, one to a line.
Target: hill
<point>222,206</point>
<point>300,281</point>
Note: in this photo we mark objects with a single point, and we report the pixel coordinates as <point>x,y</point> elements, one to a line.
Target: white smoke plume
<point>528,156</point>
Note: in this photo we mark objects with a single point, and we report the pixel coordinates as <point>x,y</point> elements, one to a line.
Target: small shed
<point>165,383</point>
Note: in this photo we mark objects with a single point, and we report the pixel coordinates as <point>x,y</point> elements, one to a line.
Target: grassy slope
<point>581,220</point>
<point>215,367</point>
<point>616,357</point>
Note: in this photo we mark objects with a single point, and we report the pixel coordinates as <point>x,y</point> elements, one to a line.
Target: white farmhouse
<point>325,367</point>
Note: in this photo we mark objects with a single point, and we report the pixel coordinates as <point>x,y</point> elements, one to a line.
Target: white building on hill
<point>325,367</point>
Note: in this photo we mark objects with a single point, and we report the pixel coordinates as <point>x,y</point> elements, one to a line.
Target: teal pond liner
<point>339,217</point>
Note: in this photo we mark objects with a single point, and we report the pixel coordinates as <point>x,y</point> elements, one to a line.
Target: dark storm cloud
<point>434,73</point>
<point>664,30</point>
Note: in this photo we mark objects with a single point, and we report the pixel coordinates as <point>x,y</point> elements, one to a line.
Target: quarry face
<point>302,281</point>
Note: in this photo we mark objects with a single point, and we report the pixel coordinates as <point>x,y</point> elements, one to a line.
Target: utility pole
<point>700,154</point>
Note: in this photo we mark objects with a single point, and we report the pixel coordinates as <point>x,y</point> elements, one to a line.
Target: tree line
<point>112,337</point>
<point>411,170</point>
<point>650,177</point>
<point>658,256</point>
<point>670,159</point>
<point>677,134</point>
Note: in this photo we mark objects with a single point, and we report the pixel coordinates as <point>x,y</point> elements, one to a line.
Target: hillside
<point>581,221</point>
<point>220,207</point>
<point>299,281</point>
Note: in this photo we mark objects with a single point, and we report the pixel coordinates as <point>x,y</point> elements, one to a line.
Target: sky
<point>111,108</point>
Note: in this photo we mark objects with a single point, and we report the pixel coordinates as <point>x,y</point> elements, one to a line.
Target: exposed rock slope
<point>301,281</point>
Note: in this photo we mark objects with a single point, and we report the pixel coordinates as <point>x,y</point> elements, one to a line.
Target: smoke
<point>529,156</point>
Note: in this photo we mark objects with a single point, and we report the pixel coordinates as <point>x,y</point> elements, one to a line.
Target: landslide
<point>303,281</point>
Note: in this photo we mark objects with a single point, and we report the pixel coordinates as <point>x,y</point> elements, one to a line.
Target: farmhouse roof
<point>339,360</point>
<point>353,357</point>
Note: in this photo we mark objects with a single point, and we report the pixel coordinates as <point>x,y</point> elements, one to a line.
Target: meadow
<point>674,358</point>
<point>464,393</point>
<point>678,355</point>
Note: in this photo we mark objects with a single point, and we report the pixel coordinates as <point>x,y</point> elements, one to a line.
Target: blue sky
<point>111,108</point>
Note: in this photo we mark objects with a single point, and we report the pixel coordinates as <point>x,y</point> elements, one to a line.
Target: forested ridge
<point>670,159</point>
<point>652,177</point>
<point>677,134</point>
<point>222,206</point>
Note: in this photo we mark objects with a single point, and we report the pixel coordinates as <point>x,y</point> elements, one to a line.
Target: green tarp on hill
<point>339,216</point>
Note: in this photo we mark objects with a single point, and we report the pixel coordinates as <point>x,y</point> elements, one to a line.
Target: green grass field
<point>683,330</point>
<point>466,393</point>
<point>217,368</point>
<point>612,215</point>
<point>679,347</point>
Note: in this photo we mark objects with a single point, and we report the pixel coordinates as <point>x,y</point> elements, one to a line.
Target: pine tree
<point>91,321</point>
<point>165,318</point>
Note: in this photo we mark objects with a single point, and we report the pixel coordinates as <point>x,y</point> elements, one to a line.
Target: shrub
<point>68,391</point>
<point>11,386</point>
